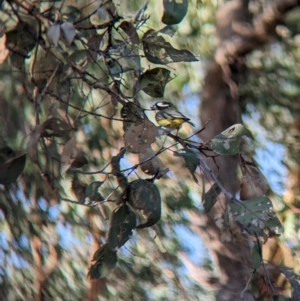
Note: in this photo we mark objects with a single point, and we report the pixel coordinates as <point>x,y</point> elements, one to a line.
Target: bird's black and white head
<point>161,105</point>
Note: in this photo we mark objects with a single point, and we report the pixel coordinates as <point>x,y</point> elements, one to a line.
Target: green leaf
<point>256,216</point>
<point>190,158</point>
<point>237,130</point>
<point>130,30</point>
<point>131,113</point>
<point>92,193</point>
<point>210,197</point>
<point>104,261</point>
<point>123,220</point>
<point>78,189</point>
<point>124,64</point>
<point>43,65</point>
<point>55,127</point>
<point>11,167</point>
<point>70,13</point>
<point>20,40</point>
<point>78,58</point>
<point>174,11</point>
<point>6,153</point>
<point>143,196</point>
<point>153,81</point>
<point>256,255</point>
<point>94,46</point>
<point>228,142</point>
<point>32,144</point>
<point>72,156</point>
<point>158,51</point>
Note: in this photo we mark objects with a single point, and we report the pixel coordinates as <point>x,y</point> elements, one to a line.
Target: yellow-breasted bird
<point>168,117</point>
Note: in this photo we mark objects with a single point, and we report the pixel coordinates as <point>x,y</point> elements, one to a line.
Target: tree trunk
<point>239,33</point>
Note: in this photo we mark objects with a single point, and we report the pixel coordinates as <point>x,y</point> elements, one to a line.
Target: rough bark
<point>240,33</point>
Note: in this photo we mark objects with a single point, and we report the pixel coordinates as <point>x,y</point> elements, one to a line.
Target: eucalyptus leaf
<point>20,40</point>
<point>123,220</point>
<point>139,137</point>
<point>79,58</point>
<point>70,13</point>
<point>228,142</point>
<point>104,261</point>
<point>55,127</point>
<point>72,156</point>
<point>78,189</point>
<point>256,216</point>
<point>131,114</point>
<point>130,30</point>
<point>153,81</point>
<point>143,196</point>
<point>210,197</point>
<point>11,168</point>
<point>158,51</point>
<point>174,11</point>
<point>191,160</point>
<point>94,44</point>
<point>123,64</point>
<point>253,182</point>
<point>256,256</point>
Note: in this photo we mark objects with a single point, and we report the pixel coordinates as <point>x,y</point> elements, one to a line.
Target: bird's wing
<point>173,114</point>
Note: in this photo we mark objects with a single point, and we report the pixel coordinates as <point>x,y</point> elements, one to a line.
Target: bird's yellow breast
<point>171,123</point>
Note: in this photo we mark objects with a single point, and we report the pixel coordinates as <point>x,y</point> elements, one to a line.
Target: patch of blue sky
<point>16,260</point>
<point>68,237</point>
<point>268,154</point>
<point>124,163</point>
<point>192,243</point>
<point>269,160</point>
<point>190,105</point>
<point>54,212</point>
<point>22,198</point>
<point>42,204</point>
<point>23,241</point>
<point>4,241</point>
<point>87,128</point>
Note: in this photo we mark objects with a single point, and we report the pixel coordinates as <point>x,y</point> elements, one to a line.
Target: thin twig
<point>214,177</point>
<point>248,283</point>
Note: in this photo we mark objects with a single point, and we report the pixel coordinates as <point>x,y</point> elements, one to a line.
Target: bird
<point>168,117</point>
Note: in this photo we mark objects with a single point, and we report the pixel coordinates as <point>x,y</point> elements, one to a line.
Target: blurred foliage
<point>70,69</point>
<point>65,87</point>
<point>272,110</point>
